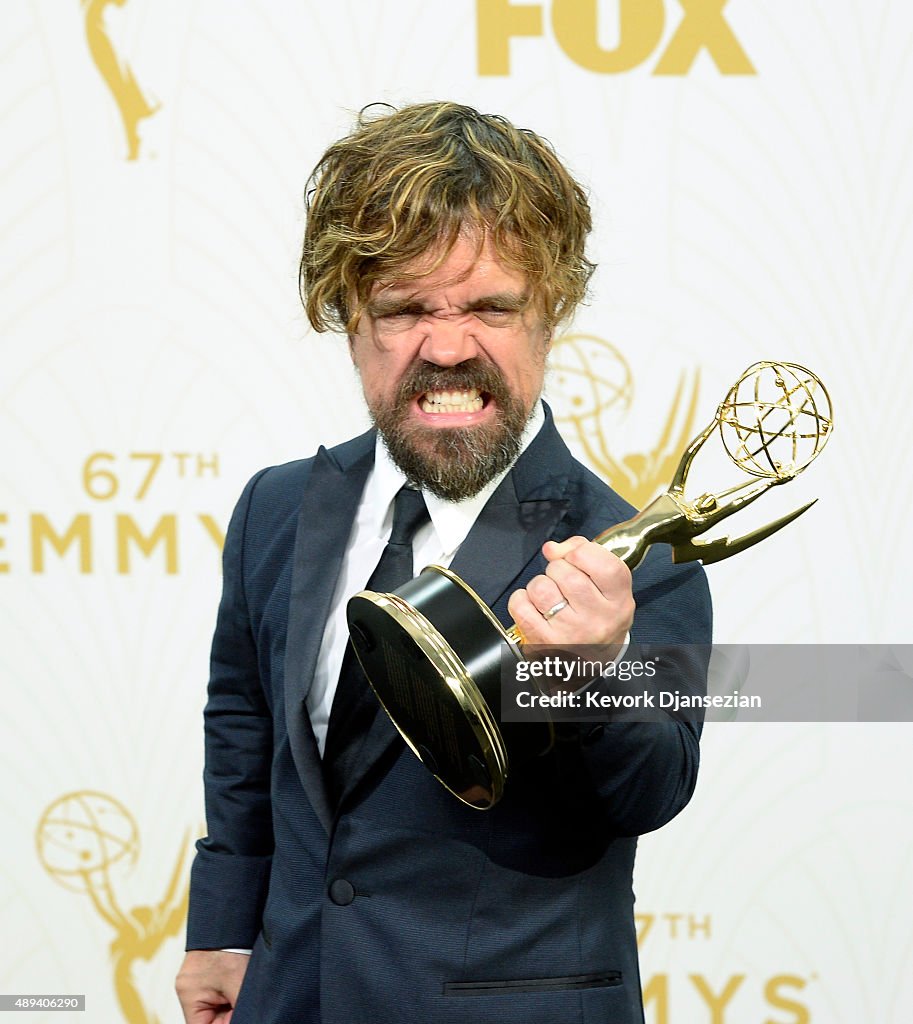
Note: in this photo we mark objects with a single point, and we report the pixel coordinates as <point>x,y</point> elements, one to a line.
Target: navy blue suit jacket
<point>404,905</point>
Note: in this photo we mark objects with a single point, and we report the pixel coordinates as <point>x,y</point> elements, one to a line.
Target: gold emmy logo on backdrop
<point>84,839</point>
<point>128,96</point>
<point>591,379</point>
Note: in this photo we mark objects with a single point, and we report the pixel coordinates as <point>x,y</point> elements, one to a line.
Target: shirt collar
<point>452,520</point>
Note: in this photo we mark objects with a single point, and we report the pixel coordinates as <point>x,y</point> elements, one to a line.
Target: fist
<point>583,597</point>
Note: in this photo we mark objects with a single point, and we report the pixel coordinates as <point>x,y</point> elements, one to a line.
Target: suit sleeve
<point>644,772</point>
<point>230,873</point>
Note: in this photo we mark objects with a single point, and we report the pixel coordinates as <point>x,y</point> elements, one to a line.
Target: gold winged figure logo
<point>116,72</point>
<point>591,383</point>
<point>85,840</point>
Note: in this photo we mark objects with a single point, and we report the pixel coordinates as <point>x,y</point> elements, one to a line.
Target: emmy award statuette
<point>432,650</point>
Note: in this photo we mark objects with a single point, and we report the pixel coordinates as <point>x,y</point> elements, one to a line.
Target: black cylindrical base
<point>432,652</point>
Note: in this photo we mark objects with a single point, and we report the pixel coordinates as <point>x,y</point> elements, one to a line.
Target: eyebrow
<point>385,305</point>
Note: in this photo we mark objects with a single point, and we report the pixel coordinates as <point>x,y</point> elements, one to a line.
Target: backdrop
<point>749,168</point>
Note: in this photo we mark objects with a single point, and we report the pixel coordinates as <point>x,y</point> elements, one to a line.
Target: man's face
<point>451,365</point>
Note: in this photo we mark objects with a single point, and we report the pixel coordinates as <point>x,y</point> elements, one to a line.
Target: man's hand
<point>208,984</point>
<point>596,586</point>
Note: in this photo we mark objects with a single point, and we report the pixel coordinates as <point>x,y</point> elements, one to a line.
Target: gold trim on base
<point>455,676</point>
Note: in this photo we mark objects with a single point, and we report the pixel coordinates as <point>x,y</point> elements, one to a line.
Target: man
<point>448,246</point>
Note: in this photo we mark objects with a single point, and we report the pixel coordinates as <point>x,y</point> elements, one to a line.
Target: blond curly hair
<point>407,182</point>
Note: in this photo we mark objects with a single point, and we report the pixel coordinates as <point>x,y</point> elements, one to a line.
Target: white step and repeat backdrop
<point>749,164</point>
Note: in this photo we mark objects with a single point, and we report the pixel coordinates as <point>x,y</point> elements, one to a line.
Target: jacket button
<point>342,892</point>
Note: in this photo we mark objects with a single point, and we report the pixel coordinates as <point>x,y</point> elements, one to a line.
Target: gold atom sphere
<point>84,832</point>
<point>775,420</point>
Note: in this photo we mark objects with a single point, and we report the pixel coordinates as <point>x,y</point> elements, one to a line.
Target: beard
<point>453,463</point>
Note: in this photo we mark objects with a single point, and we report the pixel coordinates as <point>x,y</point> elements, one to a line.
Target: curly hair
<point>407,182</point>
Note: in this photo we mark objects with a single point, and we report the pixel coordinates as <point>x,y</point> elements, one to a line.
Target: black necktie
<point>354,703</point>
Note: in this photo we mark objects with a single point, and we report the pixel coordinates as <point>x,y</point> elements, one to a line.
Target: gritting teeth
<point>468,400</point>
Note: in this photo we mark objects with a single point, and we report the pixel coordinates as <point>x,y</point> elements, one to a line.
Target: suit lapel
<point>506,537</point>
<point>328,507</point>
<point>523,513</point>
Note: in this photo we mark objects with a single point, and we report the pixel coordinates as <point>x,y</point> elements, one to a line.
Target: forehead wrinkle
<point>477,279</point>
<point>508,299</point>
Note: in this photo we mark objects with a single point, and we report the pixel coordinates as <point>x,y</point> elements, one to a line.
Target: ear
<point>352,356</point>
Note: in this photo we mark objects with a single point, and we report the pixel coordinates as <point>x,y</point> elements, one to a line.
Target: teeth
<point>468,400</point>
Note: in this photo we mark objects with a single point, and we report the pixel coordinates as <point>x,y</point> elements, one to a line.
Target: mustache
<point>473,373</point>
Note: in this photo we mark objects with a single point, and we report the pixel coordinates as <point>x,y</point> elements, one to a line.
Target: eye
<point>402,318</point>
<point>496,315</point>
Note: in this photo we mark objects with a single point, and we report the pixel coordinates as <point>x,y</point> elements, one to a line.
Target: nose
<point>448,341</point>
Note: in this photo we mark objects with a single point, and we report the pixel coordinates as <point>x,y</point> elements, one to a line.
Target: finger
<point>608,572</point>
<point>544,592</point>
<point>553,549</point>
<point>578,588</point>
<point>534,627</point>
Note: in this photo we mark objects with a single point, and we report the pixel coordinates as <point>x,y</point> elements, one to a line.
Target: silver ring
<point>553,611</point>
